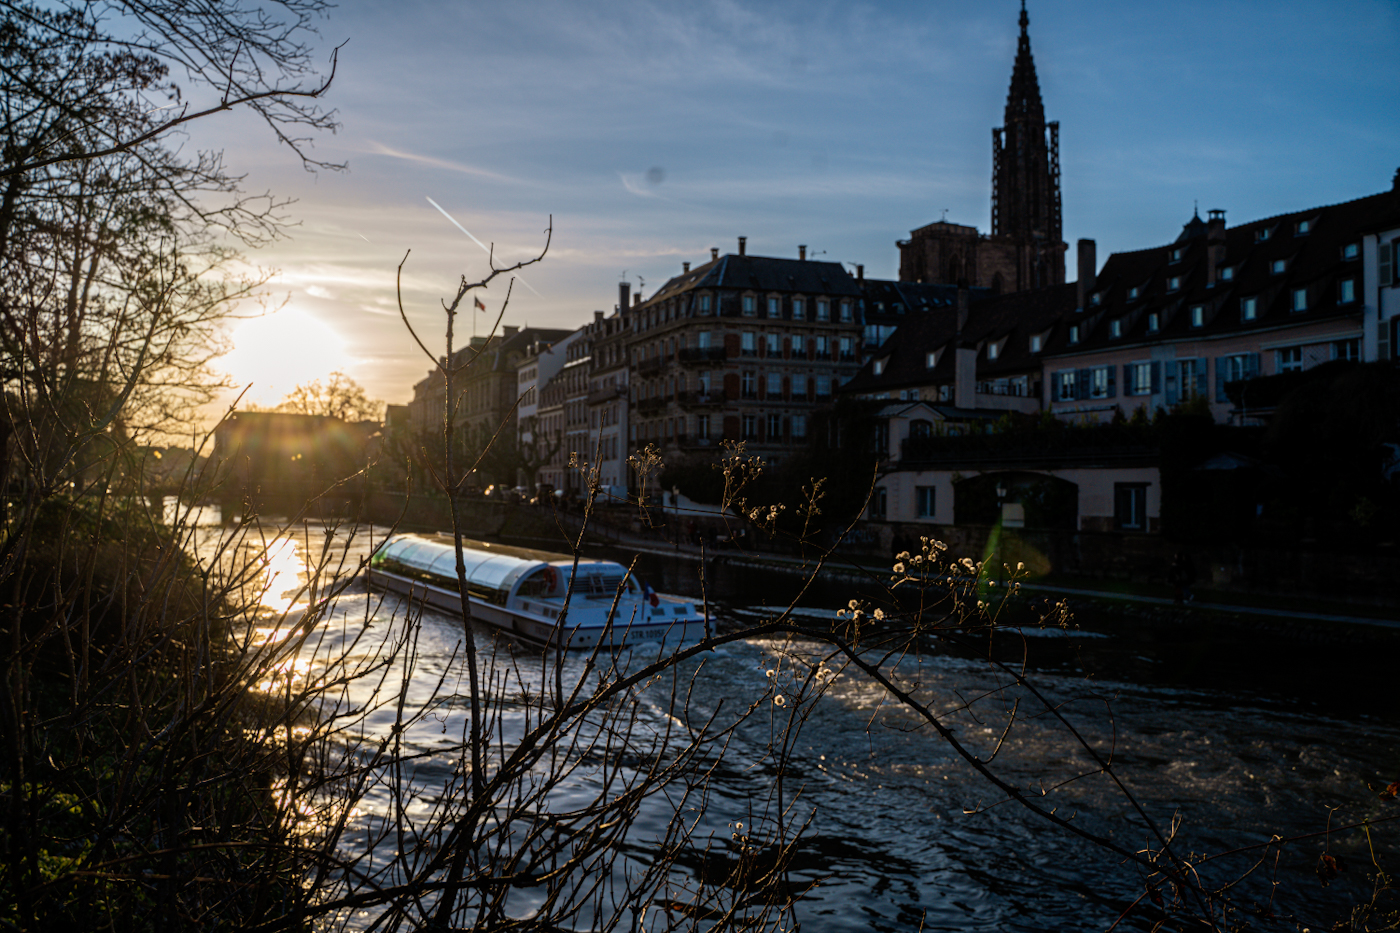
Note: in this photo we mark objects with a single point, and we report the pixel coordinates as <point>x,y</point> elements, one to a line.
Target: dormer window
<point>750,306</point>
<point>1133,293</point>
<point>878,367</point>
<point>1300,299</point>
<point>1227,273</point>
<point>1074,333</point>
<point>1035,343</point>
<point>1154,323</point>
<point>1351,251</point>
<point>1174,284</point>
<point>1262,234</point>
<point>1176,255</point>
<point>1249,308</point>
<point>704,304</point>
<point>1096,299</point>
<point>1304,227</point>
<point>1115,329</point>
<point>930,359</point>
<point>1198,315</point>
<point>1278,266</point>
<point>992,349</point>
<point>1346,291</point>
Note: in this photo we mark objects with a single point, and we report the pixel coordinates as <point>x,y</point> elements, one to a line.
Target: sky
<point>651,132</point>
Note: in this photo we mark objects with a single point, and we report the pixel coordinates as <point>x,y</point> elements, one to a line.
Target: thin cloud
<point>377,148</point>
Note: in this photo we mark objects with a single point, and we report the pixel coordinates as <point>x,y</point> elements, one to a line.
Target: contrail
<point>484,247</point>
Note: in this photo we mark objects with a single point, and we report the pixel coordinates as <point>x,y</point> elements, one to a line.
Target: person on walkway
<point>1181,575</point>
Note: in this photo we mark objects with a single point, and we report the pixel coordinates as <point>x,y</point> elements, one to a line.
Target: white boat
<point>523,591</point>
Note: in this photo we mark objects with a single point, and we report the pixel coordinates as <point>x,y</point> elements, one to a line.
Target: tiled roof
<point>764,274</point>
<point>1311,260</point>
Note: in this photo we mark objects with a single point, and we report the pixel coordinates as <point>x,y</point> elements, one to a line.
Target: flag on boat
<point>650,594</point>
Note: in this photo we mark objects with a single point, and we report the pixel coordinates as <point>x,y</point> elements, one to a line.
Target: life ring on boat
<point>551,577</point>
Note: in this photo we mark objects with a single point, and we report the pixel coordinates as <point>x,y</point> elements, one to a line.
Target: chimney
<point>963,296</point>
<point>964,376</point>
<point>685,267</point>
<point>802,252</point>
<point>597,317</point>
<point>743,244</point>
<point>1215,246</point>
<point>1088,269</point>
<point>637,299</point>
<point>714,253</point>
<point>860,273</point>
<point>624,295</point>
<point>1395,182</point>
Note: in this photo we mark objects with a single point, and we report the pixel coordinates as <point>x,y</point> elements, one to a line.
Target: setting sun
<point>279,351</point>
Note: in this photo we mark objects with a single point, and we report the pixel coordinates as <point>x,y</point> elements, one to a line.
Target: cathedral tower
<point>1025,249</point>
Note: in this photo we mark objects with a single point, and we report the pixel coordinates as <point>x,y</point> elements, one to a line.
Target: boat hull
<point>535,628</point>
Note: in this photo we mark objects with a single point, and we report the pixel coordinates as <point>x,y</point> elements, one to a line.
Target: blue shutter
<point>1220,379</point>
<point>1201,364</point>
<point>1387,261</point>
<point>1082,387</point>
<point>1173,381</point>
<point>1112,387</point>
<point>1156,378</point>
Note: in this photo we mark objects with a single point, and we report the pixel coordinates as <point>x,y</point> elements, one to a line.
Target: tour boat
<point>522,591</point>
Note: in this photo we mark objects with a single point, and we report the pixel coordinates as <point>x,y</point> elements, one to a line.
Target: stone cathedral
<point>1025,248</point>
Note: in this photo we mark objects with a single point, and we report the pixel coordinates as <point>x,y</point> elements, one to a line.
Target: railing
<point>700,399</point>
<point>650,405</point>
<point>701,354</point>
<point>1015,390</point>
<point>690,441</point>
<point>651,364</point>
<point>607,394</point>
<point>1100,442</point>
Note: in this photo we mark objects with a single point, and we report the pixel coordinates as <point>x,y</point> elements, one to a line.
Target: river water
<point>1227,734</point>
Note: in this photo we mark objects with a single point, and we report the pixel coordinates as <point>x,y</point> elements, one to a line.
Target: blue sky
<point>654,131</point>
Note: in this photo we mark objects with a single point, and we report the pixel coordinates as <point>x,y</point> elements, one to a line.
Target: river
<point>1228,734</point>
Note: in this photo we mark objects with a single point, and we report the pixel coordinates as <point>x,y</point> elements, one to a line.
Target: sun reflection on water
<point>279,581</point>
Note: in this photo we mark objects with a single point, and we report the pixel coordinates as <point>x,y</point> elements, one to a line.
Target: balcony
<point>1035,448</point>
<point>691,442</point>
<point>692,400</point>
<point>651,365</point>
<point>651,406</point>
<point>598,396</point>
<point>702,354</point>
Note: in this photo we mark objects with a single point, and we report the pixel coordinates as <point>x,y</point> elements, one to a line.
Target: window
<point>878,367</point>
<point>1278,266</point>
<point>1290,360</point>
<point>846,311</point>
<point>992,349</point>
<point>823,348</point>
<point>1174,284</point>
<point>1101,382</point>
<point>749,425</point>
<point>1346,291</point>
<point>749,309</point>
<point>924,501</point>
<point>1190,380</point>
<point>702,427</point>
<point>775,427</point>
<point>775,385</point>
<point>1227,273</point>
<point>748,344</point>
<point>823,386</point>
<point>1389,268</point>
<point>1133,293</point>
<point>775,307</point>
<point>1234,368</point>
<point>1096,299</point>
<point>1347,349</point>
<point>1304,227</point>
<point>799,309</point>
<point>1115,328</point>
<point>1141,378</point>
<point>799,427</point>
<point>930,359</point>
<point>771,346</point>
<point>1262,234</point>
<point>1249,308</point>
<point>1074,333</point>
<point>704,304</point>
<point>1176,255</point>
<point>878,501</point>
<point>823,309</point>
<point>799,386</point>
<point>748,385</point>
<point>1130,506</point>
<point>1198,315</point>
<point>1154,323</point>
<point>1066,384</point>
<point>847,349</point>
<point>1300,299</point>
<point>1351,251</point>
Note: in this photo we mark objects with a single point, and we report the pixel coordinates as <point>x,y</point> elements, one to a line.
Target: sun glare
<point>277,352</point>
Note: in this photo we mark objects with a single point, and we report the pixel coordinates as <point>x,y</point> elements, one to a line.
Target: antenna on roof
<point>944,217</point>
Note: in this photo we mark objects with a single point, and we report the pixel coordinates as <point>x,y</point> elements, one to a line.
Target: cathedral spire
<point>1026,171</point>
